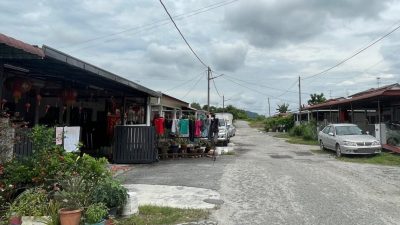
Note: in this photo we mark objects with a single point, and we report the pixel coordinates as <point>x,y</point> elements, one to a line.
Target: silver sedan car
<point>348,139</point>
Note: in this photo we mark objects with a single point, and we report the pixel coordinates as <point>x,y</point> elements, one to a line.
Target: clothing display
<point>206,128</point>
<point>159,124</point>
<point>184,128</point>
<point>197,132</point>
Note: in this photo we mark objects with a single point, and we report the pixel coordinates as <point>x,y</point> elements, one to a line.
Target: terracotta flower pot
<point>70,217</point>
<point>15,220</point>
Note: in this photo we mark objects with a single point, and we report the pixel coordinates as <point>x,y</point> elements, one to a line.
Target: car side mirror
<point>330,134</point>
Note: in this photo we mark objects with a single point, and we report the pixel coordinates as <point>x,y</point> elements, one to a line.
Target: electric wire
<point>183,83</point>
<point>352,56</point>
<point>158,23</point>
<point>259,92</point>
<point>183,37</point>
<point>192,88</point>
<point>216,89</point>
<point>287,90</point>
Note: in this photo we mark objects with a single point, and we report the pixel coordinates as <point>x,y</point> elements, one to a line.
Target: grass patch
<point>156,215</point>
<point>388,159</point>
<point>296,140</point>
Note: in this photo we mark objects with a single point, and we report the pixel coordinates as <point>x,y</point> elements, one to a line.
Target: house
<point>42,85</point>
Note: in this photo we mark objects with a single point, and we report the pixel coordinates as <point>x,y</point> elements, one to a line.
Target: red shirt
<point>159,124</point>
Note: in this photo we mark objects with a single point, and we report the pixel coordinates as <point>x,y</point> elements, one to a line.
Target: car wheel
<point>338,151</point>
<point>321,146</point>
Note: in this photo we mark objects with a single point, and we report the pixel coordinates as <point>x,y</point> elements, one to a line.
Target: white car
<point>348,139</point>
<point>223,133</point>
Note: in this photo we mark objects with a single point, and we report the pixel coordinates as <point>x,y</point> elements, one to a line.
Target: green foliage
<point>195,105</point>
<point>110,192</point>
<point>96,213</point>
<point>74,194</point>
<point>316,99</point>
<point>284,108</point>
<point>43,138</point>
<point>306,131</point>
<point>275,123</point>
<point>32,202</point>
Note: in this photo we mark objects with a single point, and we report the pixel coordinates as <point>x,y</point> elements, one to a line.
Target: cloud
<point>278,23</point>
<point>229,56</point>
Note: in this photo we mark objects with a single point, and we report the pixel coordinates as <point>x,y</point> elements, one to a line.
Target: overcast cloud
<point>261,46</point>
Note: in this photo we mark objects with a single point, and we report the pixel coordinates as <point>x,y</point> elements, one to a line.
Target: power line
<point>287,90</point>
<point>354,55</point>
<point>192,88</point>
<point>183,83</point>
<point>183,37</point>
<point>150,25</point>
<point>254,90</point>
<point>215,86</point>
<point>261,85</point>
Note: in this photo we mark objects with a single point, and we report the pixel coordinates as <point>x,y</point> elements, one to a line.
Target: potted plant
<point>72,198</point>
<point>30,207</point>
<point>111,193</point>
<point>95,214</point>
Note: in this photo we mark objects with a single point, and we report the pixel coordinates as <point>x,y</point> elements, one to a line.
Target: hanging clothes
<point>197,131</point>
<point>159,124</point>
<point>184,128</point>
<point>191,130</point>
<point>206,128</point>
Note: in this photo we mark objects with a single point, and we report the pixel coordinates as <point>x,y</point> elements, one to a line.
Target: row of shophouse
<point>42,85</point>
<point>376,110</point>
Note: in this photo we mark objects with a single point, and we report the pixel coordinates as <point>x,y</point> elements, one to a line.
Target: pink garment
<point>197,128</point>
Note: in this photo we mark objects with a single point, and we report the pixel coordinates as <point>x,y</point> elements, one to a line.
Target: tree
<point>316,99</point>
<point>284,108</point>
<point>195,105</point>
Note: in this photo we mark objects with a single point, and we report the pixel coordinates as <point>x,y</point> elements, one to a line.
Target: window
<point>348,130</point>
<point>326,129</point>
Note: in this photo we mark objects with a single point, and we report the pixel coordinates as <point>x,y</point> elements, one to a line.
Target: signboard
<point>69,136</point>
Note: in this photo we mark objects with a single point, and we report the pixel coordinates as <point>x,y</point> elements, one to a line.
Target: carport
<point>367,109</point>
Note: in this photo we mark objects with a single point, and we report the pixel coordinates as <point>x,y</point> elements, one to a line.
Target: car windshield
<point>221,123</point>
<point>348,130</point>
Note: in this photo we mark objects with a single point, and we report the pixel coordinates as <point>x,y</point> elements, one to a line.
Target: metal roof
<point>72,61</point>
<point>361,97</point>
<point>19,45</point>
<point>18,52</point>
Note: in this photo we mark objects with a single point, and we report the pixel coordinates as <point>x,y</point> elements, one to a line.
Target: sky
<point>260,47</point>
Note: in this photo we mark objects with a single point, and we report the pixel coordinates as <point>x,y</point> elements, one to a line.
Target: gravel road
<point>273,182</point>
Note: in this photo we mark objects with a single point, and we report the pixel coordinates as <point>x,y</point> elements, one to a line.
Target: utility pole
<point>299,99</point>
<point>208,91</point>
<point>269,109</point>
<point>223,103</point>
<point>378,79</point>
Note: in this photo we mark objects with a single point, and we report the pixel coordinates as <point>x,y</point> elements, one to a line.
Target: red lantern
<point>69,96</point>
<point>18,86</point>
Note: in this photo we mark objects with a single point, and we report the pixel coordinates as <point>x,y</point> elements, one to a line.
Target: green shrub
<point>306,131</point>
<point>96,213</point>
<point>110,192</point>
<point>32,202</point>
<point>274,123</point>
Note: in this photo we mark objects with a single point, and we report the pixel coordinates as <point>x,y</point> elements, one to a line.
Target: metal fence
<point>134,144</point>
<point>22,144</point>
